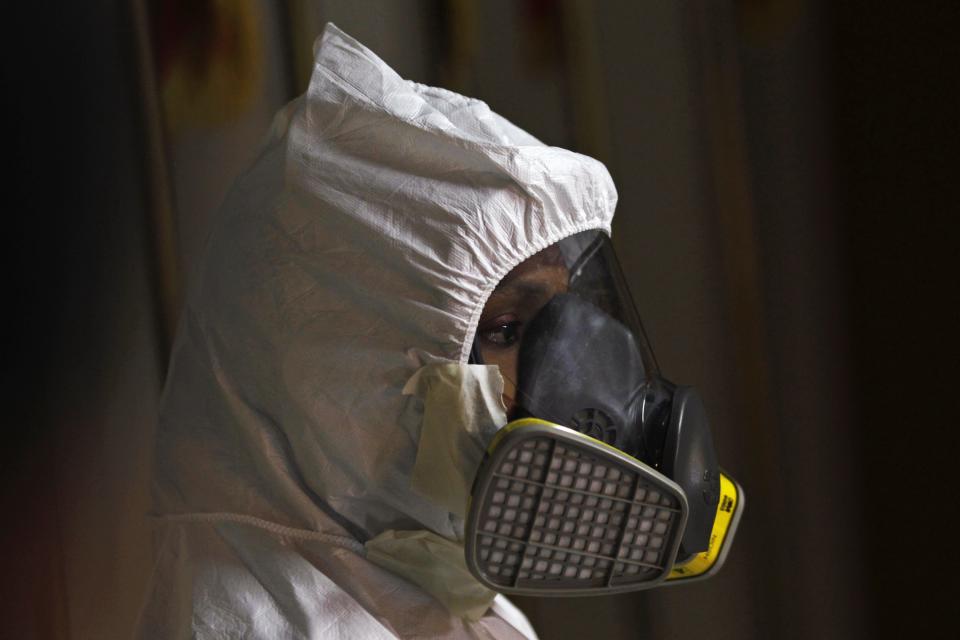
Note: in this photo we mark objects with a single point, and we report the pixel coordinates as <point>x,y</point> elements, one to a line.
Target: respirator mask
<point>605,479</point>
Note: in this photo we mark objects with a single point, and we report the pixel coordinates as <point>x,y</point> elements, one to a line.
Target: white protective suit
<point>360,247</point>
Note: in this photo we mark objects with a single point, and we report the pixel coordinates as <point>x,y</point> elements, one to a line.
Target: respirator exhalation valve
<point>596,424</point>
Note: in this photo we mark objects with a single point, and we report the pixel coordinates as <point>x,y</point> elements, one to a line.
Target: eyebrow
<point>523,286</point>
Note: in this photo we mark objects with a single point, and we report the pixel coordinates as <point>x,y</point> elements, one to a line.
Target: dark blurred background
<point>787,218</point>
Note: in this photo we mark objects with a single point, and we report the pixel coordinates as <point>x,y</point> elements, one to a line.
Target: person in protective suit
<point>345,357</point>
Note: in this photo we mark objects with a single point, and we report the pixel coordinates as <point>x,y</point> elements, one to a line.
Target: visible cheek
<point>508,369</point>
<point>509,394</point>
<point>507,362</point>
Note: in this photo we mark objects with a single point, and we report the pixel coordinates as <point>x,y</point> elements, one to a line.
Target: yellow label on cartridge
<point>702,562</point>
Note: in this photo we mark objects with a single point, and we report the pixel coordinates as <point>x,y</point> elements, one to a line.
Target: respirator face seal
<point>606,479</point>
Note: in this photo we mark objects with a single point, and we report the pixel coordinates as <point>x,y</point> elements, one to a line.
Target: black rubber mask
<point>581,368</point>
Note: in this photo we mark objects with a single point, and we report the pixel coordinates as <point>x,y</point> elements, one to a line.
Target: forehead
<point>547,264</point>
<point>530,283</point>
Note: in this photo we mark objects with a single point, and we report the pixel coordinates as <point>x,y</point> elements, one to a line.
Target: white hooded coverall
<point>361,244</point>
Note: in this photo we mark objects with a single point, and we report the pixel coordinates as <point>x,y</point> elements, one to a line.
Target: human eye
<point>502,332</point>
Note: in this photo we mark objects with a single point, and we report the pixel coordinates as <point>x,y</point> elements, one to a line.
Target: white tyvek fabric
<point>471,398</point>
<point>363,243</point>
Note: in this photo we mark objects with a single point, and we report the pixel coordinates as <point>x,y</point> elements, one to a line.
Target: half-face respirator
<point>606,480</point>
